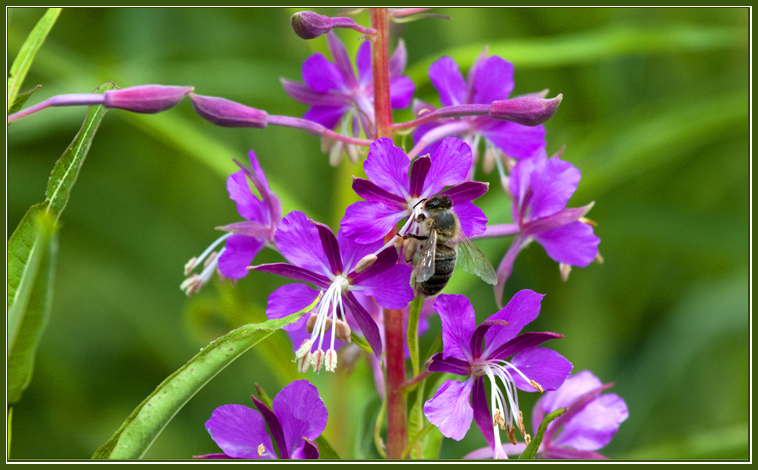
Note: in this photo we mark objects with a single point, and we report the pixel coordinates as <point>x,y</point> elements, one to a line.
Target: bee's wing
<point>425,264</point>
<point>473,261</point>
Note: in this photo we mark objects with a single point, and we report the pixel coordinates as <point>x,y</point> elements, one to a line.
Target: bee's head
<point>438,203</point>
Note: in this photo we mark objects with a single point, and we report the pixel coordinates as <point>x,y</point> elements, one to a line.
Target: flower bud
<point>148,99</point>
<point>529,110</point>
<point>309,25</point>
<point>226,113</point>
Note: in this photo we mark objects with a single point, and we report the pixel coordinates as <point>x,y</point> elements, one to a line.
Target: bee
<point>442,238</point>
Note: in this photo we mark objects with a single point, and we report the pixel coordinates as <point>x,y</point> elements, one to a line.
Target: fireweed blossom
<point>540,188</point>
<point>336,96</point>
<point>529,368</point>
<point>391,194</point>
<point>244,239</point>
<point>297,419</point>
<point>589,424</point>
<point>489,79</point>
<point>341,270</point>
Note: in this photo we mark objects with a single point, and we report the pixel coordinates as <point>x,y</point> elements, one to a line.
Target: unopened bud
<point>227,113</point>
<point>148,99</point>
<point>309,24</point>
<point>529,110</point>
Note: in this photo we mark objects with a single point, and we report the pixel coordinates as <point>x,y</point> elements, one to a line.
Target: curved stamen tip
<point>536,385</point>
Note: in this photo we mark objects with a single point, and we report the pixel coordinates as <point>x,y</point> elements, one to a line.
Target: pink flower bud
<point>309,25</point>
<point>226,113</point>
<point>529,110</point>
<point>148,99</point>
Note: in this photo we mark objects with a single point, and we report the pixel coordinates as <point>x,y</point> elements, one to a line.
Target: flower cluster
<point>414,222</point>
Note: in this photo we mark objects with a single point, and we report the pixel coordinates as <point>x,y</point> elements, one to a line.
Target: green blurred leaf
<point>20,99</point>
<point>146,422</point>
<point>325,450</point>
<point>590,46</point>
<point>25,57</point>
<point>31,258</point>
<point>531,449</point>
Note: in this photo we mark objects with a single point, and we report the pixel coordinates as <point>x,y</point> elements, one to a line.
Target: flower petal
<point>493,80</point>
<point>238,431</point>
<point>447,79</point>
<point>574,243</point>
<point>458,324</point>
<point>401,92</point>
<point>521,342</point>
<point>521,310</point>
<point>391,288</point>
<point>303,93</point>
<point>294,272</point>
<point>450,365</point>
<point>365,322</point>
<point>288,299</point>
<point>363,62</point>
<point>482,414</point>
<point>367,222</point>
<point>301,413</point>
<point>398,60</point>
<point>472,219</point>
<point>331,248</point>
<point>515,140</point>
<point>574,387</point>
<point>387,167</point>
<point>342,61</point>
<point>322,75</point>
<point>595,425</point>
<point>248,206</point>
<point>373,193</point>
<point>544,366</point>
<point>552,186</point>
<point>451,163</point>
<point>239,252</point>
<point>449,409</point>
<point>298,240</point>
<point>327,116</point>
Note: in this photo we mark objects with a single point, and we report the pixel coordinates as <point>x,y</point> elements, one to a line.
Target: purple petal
<point>301,413</point>
<point>327,116</point>
<point>303,93</point>
<point>248,228</point>
<point>521,310</point>
<point>391,289</point>
<point>458,324</point>
<point>398,60</point>
<point>505,268</point>
<point>544,366</point>
<point>466,191</point>
<point>493,80</point>
<point>472,219</point>
<point>298,240</point>
<point>387,167</point>
<point>594,426</point>
<point>365,322</point>
<point>322,75</point>
<point>363,62</point>
<point>308,452</point>
<point>238,431</point>
<point>342,61</point>
<point>447,79</point>
<point>450,365</point>
<point>239,252</point>
<point>560,218</point>
<point>248,206</point>
<point>352,252</point>
<point>451,163</point>
<point>385,259</point>
<point>573,244</point>
<point>373,193</point>
<point>401,92</point>
<point>515,140</point>
<point>288,299</point>
<point>574,387</point>
<point>419,170</point>
<point>331,248</point>
<point>294,272</point>
<point>482,414</point>
<point>367,222</point>
<point>552,186</point>
<point>521,342</point>
<point>449,409</point>
<point>519,182</point>
<point>274,427</point>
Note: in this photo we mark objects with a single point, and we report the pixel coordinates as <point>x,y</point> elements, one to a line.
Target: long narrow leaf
<point>25,57</point>
<point>146,422</point>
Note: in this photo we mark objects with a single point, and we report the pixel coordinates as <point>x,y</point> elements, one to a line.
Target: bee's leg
<point>413,235</point>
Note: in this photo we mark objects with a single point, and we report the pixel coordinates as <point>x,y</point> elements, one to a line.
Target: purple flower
<point>489,79</point>
<point>333,91</point>
<point>297,419</point>
<point>589,424</point>
<point>391,195</point>
<point>540,188</point>
<point>244,239</point>
<point>529,368</point>
<point>342,271</point>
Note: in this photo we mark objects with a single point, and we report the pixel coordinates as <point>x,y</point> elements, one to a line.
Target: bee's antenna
<point>416,205</point>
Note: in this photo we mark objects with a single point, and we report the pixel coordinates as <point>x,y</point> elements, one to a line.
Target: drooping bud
<point>227,113</point>
<point>529,110</point>
<point>309,24</point>
<point>147,99</point>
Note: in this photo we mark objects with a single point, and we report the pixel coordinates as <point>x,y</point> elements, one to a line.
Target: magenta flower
<point>297,419</point>
<point>478,351</point>
<point>391,195</point>
<point>333,91</point>
<point>244,239</point>
<point>490,79</point>
<point>342,271</point>
<point>540,188</point>
<point>589,424</point>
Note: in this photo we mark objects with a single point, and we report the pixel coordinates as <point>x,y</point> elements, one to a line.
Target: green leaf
<point>21,99</point>
<point>25,57</point>
<point>31,259</point>
<point>146,422</point>
<point>531,449</point>
<point>412,333</point>
<point>28,314</point>
<point>325,450</point>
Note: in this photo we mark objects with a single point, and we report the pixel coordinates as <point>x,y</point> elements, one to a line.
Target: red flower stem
<point>397,418</point>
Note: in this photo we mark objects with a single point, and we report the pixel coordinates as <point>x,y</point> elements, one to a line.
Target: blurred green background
<point>655,114</point>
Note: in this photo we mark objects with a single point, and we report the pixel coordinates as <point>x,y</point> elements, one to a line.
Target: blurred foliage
<point>658,126</point>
